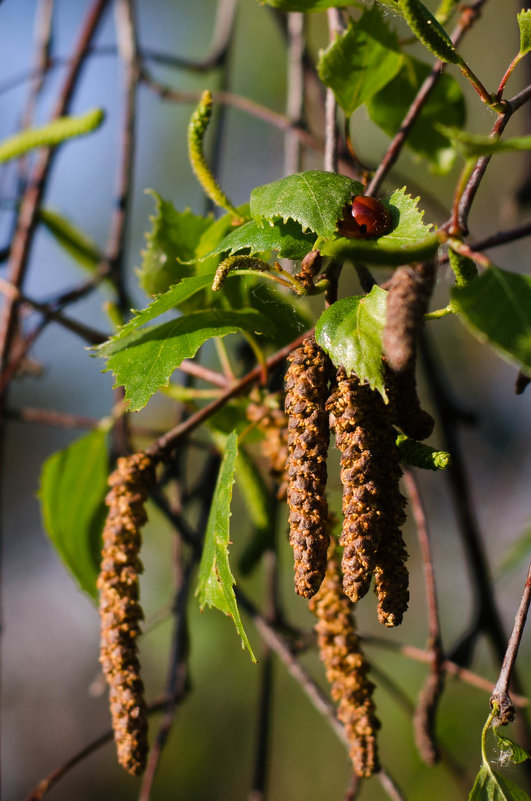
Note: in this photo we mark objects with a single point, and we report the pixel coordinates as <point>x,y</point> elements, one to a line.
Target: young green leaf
<point>216,582</point>
<point>389,107</point>
<point>173,239</point>
<point>496,308</point>
<point>305,5</point>
<point>286,239</point>
<point>361,61</point>
<point>524,23</point>
<point>72,239</point>
<point>73,486</point>
<point>474,145</point>
<point>289,315</point>
<point>163,303</point>
<point>490,786</point>
<point>418,454</point>
<point>350,331</point>
<point>315,199</point>
<point>51,134</point>
<point>145,361</point>
<point>509,750</point>
<point>409,239</point>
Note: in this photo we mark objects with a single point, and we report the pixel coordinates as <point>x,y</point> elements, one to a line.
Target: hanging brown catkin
<point>120,609</point>
<point>373,507</point>
<point>346,670</point>
<point>308,437</point>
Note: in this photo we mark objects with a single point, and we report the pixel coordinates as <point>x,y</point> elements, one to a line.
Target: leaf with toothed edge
<point>315,199</point>
<point>216,583</point>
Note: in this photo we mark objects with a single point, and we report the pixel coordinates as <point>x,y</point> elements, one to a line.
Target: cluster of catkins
<point>120,609</point>
<point>373,508</point>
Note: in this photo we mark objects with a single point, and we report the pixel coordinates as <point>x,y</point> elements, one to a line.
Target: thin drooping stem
<point>469,16</point>
<point>500,695</point>
<point>295,96</point>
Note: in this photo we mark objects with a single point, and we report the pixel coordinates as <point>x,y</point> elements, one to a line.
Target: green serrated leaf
<point>315,199</point>
<point>162,304</point>
<point>350,331</point>
<point>286,239</point>
<point>474,145</point>
<point>72,491</point>
<point>216,583</point>
<point>83,249</point>
<point>361,61</point>
<point>496,308</point>
<point>409,240</point>
<point>173,239</point>
<point>524,23</point>
<point>389,107</point>
<point>509,750</point>
<point>490,786</point>
<point>145,361</point>
<point>305,5</point>
<point>289,315</point>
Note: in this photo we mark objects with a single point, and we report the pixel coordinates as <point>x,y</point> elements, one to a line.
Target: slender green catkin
<point>373,508</point>
<point>464,268</point>
<point>52,134</point>
<point>346,669</point>
<point>429,31</point>
<point>120,609</point>
<point>308,436</point>
<point>237,262</point>
<point>196,134</point>
<point>417,454</point>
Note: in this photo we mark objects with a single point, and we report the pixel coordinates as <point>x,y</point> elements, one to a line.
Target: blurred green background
<point>52,694</point>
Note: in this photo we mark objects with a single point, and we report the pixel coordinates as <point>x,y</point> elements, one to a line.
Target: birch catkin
<point>308,437</point>
<point>346,670</point>
<point>373,508</point>
<point>120,609</point>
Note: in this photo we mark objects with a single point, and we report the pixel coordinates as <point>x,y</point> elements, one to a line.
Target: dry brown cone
<point>308,437</point>
<point>120,609</point>
<point>373,508</point>
<point>346,669</point>
<point>272,421</point>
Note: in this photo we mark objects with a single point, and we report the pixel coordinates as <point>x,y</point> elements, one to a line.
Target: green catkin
<point>308,436</point>
<point>196,134</point>
<point>120,610</point>
<point>346,670</point>
<point>373,508</point>
<point>429,31</point>
<point>237,262</point>
<point>464,268</point>
<point>50,135</point>
<point>417,454</point>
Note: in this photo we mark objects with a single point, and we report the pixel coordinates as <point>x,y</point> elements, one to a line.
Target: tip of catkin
<point>120,610</point>
<point>346,669</point>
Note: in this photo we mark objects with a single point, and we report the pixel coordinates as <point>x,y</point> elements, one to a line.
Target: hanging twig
<point>295,98</point>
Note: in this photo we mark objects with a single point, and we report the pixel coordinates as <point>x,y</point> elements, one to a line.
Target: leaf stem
<point>438,313</point>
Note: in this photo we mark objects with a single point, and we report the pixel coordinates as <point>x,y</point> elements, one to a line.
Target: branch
<point>500,695</point>
<point>468,17</point>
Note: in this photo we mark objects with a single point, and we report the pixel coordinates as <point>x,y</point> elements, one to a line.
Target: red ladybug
<point>365,218</point>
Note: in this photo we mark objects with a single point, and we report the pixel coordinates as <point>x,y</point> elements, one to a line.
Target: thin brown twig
<point>335,28</point>
<point>472,185</point>
<point>28,213</point>
<point>296,24</point>
<point>84,331</point>
<point>500,695</point>
<point>426,709</point>
<point>468,17</point>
